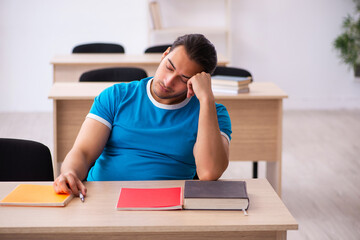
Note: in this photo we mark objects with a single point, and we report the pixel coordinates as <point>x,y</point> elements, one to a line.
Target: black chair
<point>120,74</point>
<point>25,160</point>
<point>99,48</point>
<point>157,49</point>
<point>231,71</point>
<point>238,72</point>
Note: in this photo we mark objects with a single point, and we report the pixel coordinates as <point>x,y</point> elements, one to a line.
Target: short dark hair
<point>199,49</point>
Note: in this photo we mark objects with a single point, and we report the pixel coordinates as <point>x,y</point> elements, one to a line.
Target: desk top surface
<point>98,213</point>
<point>88,91</point>
<point>113,58</point>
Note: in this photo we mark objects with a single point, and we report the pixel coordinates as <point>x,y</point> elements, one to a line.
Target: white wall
<point>284,41</point>
<point>33,31</point>
<point>289,42</point>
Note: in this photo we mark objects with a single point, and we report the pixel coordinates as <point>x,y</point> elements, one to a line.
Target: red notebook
<point>150,199</point>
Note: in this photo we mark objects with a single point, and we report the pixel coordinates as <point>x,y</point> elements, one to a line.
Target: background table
<point>97,217</point>
<point>68,68</point>
<point>256,119</point>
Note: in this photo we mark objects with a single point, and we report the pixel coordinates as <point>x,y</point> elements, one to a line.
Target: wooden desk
<point>68,68</point>
<point>97,217</point>
<point>256,120</point>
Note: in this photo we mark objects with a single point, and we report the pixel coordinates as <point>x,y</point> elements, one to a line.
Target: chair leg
<point>255,169</point>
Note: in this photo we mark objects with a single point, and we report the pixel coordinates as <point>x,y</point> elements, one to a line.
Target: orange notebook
<point>150,199</point>
<point>35,195</point>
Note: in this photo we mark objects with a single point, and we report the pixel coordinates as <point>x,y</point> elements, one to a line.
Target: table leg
<point>273,168</point>
<point>281,235</point>
<point>273,174</point>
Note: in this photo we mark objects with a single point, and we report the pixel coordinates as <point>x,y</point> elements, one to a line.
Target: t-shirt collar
<point>161,105</point>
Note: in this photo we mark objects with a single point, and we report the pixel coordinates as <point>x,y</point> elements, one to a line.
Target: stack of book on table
<point>230,84</point>
<point>198,195</point>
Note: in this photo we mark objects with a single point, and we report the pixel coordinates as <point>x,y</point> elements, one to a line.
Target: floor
<point>321,167</point>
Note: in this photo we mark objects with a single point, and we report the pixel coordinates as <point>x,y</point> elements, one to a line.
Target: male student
<point>165,127</point>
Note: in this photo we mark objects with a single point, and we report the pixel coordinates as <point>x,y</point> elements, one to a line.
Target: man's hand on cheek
<point>200,85</point>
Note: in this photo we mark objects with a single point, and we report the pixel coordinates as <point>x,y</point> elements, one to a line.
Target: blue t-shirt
<point>148,140</point>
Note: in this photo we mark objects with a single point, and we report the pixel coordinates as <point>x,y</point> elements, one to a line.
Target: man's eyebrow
<point>175,69</point>
<point>171,63</point>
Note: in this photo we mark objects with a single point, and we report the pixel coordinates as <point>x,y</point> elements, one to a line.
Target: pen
<point>81,196</point>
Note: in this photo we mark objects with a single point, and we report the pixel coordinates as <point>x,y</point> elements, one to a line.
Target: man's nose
<point>170,80</point>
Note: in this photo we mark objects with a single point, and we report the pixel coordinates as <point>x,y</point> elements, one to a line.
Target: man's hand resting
<point>69,183</point>
<point>200,85</point>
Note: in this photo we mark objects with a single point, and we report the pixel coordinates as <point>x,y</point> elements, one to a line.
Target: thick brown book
<point>216,195</point>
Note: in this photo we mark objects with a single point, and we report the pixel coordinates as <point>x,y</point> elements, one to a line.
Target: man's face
<point>169,85</point>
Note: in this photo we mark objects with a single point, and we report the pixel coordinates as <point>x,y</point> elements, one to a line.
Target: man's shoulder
<point>132,84</point>
<point>119,91</point>
<point>123,87</point>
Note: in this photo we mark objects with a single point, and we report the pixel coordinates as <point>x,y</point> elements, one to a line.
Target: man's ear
<point>165,53</point>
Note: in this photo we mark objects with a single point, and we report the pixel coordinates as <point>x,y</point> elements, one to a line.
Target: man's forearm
<point>210,155</point>
<point>76,163</point>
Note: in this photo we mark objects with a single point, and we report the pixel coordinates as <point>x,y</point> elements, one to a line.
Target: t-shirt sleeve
<point>104,106</point>
<point>224,121</point>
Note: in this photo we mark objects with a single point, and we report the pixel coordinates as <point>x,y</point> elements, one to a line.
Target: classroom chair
<point>238,72</point>
<point>231,71</point>
<point>99,48</point>
<point>119,74</point>
<point>157,49</point>
<point>25,160</point>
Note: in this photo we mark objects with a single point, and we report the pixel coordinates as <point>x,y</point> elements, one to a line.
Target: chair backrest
<point>157,49</point>
<point>120,74</point>
<point>99,48</point>
<point>25,160</point>
<point>231,71</point>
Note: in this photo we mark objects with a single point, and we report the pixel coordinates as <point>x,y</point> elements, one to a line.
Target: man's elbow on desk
<point>211,174</point>
<point>213,168</point>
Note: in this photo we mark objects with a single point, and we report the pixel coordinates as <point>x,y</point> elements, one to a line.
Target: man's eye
<point>183,80</point>
<point>170,69</point>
